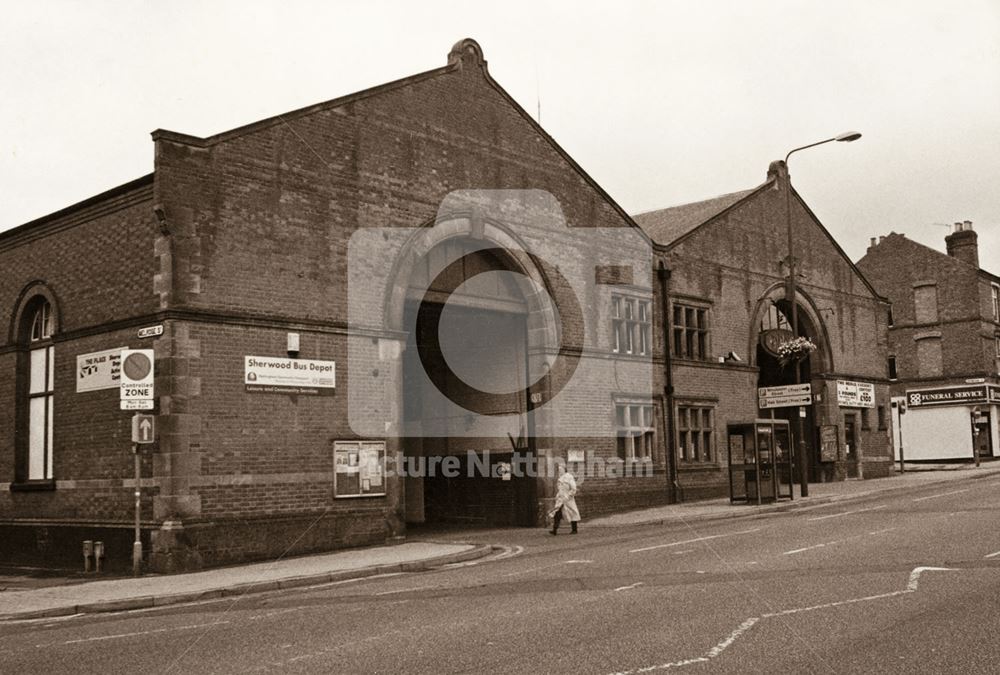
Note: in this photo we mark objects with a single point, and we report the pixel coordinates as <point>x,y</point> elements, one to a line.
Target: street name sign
<point>137,379</point>
<point>787,396</point>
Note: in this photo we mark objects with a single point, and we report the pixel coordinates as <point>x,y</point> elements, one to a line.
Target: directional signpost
<point>137,394</point>
<point>788,396</point>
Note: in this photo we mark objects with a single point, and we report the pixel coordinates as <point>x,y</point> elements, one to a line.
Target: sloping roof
<point>665,225</point>
<point>894,239</point>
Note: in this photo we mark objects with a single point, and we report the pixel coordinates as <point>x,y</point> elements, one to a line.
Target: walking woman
<point>565,506</point>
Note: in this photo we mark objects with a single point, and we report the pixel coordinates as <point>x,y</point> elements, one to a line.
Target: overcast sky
<point>661,102</point>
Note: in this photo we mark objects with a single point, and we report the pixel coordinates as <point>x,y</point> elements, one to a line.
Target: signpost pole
<point>975,434</point>
<point>137,544</point>
<point>902,411</point>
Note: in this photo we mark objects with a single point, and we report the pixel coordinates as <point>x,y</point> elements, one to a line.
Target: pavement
<point>70,597</point>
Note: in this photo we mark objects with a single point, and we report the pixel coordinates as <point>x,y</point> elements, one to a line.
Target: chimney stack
<point>963,243</point>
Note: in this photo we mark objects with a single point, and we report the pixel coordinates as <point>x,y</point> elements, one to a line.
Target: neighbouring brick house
<point>727,296</point>
<point>944,344</point>
<point>233,254</point>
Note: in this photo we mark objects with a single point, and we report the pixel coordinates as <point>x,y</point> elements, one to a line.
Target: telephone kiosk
<point>760,461</point>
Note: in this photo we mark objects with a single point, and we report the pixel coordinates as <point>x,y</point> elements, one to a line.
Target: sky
<point>662,103</point>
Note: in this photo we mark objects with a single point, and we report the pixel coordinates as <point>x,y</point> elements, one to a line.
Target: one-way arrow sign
<point>143,428</point>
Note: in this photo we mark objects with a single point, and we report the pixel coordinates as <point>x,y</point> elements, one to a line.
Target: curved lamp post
<point>790,293</point>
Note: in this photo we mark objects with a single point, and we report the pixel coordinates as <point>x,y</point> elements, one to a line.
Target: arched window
<point>37,386</point>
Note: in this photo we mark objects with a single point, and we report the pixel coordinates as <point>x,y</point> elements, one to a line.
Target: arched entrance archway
<point>772,326</point>
<point>468,309</point>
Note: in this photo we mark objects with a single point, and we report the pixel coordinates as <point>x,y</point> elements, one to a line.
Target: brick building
<point>944,344</point>
<point>231,260</point>
<point>365,314</point>
<point>728,310</point>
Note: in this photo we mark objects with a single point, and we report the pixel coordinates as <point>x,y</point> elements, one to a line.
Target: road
<point>908,583</point>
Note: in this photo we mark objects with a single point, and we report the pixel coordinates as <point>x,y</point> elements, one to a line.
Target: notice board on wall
<point>829,443</point>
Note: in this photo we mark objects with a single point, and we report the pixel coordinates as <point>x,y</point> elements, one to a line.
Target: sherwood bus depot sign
<point>961,395</point>
<point>274,375</point>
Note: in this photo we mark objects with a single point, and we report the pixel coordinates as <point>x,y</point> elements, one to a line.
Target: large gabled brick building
<point>234,254</point>
<point>944,343</point>
<point>727,295</point>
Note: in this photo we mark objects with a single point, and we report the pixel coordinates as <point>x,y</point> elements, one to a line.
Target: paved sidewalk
<point>154,591</point>
<point>916,477</point>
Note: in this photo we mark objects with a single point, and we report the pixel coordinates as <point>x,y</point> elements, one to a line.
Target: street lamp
<point>790,293</point>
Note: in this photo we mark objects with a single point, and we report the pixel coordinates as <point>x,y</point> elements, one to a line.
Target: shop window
<point>631,325</point>
<point>634,428</point>
<point>690,329</point>
<point>36,385</point>
<point>893,374</point>
<point>695,433</point>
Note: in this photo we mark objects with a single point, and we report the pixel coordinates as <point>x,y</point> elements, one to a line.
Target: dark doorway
<point>983,441</point>
<point>851,444</point>
<point>480,346</point>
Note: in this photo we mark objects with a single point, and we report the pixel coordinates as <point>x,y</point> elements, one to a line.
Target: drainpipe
<point>663,273</point>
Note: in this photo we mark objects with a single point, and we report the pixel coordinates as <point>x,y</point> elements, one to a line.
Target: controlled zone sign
<point>787,396</point>
<point>137,379</point>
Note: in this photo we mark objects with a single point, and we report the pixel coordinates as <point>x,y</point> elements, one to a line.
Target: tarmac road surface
<point>905,583</point>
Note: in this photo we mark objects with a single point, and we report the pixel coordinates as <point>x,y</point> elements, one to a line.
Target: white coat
<point>566,498</point>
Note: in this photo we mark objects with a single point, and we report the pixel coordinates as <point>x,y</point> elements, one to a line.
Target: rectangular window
<point>359,469</point>
<point>881,417</point>
<point>41,382</point>
<point>890,317</point>
<point>866,422</point>
<point>893,375</point>
<point>995,290</point>
<point>631,326</point>
<point>690,328</point>
<point>695,433</point>
<point>634,427</point>
<point>996,345</point>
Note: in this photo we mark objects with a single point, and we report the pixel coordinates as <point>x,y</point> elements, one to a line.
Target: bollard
<point>88,550</point>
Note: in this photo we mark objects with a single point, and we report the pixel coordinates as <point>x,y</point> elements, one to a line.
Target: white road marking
<point>885,529</point>
<point>911,587</point>
<point>942,494</point>
<point>692,541</point>
<point>838,541</point>
<point>119,636</point>
<point>571,562</point>
<point>687,550</point>
<point>807,548</point>
<point>628,588</point>
<point>993,555</point>
<point>405,590</point>
<point>846,513</point>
